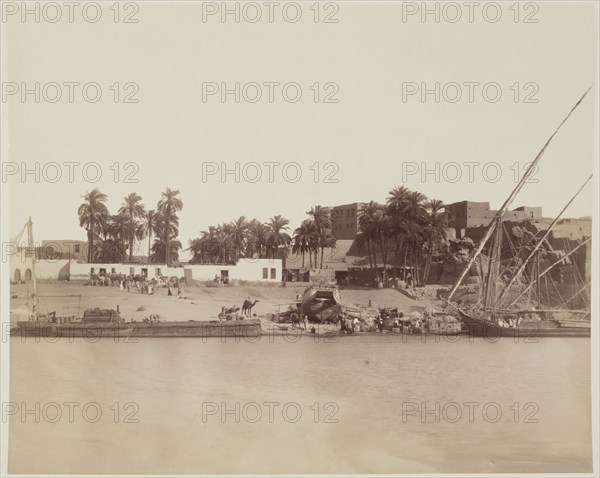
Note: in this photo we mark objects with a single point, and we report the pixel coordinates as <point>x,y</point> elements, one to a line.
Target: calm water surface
<point>360,400</point>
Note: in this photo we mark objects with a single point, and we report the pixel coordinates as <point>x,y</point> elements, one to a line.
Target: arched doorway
<point>17,275</point>
<point>27,275</point>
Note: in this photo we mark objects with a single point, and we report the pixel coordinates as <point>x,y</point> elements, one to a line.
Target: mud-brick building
<point>344,220</point>
<point>465,215</point>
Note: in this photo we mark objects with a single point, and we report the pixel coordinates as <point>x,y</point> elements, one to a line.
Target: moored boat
<point>321,303</point>
<point>484,328</point>
<point>497,311</point>
<point>197,328</point>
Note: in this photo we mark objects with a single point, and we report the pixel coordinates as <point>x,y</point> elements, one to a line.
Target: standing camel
<point>247,307</point>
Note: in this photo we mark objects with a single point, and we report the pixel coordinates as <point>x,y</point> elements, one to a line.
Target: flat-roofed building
<point>344,220</point>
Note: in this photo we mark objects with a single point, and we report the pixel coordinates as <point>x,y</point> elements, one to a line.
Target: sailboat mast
<point>541,241</point>
<point>31,253</point>
<point>510,199</point>
<point>493,267</point>
<point>550,267</point>
<point>537,279</point>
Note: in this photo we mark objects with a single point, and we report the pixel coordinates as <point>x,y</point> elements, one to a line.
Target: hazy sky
<point>371,135</point>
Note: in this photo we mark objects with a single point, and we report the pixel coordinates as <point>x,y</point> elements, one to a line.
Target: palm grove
<point>405,231</point>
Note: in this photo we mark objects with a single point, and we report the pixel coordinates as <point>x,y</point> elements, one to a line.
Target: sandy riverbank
<point>197,302</point>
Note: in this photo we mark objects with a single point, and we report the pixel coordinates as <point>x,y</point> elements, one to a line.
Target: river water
<point>359,404</point>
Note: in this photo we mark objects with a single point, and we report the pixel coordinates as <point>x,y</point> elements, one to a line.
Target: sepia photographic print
<point>305,238</point>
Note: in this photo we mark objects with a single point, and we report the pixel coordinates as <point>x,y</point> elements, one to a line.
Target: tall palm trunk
<point>383,247</point>
<point>90,243</point>
<point>428,261</point>
<point>92,225</point>
<point>415,262</point>
<point>375,260</point>
<point>398,251</point>
<point>149,242</point>
<point>131,249</point>
<point>167,237</point>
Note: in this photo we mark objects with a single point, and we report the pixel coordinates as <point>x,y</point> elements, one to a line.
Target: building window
<point>157,272</point>
<point>76,248</point>
<point>265,273</point>
<point>113,271</point>
<point>273,273</point>
<point>91,270</point>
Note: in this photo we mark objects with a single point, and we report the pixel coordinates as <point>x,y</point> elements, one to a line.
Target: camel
<point>247,307</point>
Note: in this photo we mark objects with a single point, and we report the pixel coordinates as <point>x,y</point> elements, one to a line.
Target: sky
<point>360,127</point>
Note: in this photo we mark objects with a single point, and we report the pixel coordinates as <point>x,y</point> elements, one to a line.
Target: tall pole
<point>511,198</point>
<point>31,253</point>
<point>545,271</point>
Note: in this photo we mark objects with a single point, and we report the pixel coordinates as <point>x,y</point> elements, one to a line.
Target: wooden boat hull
<point>483,328</point>
<point>580,324</point>
<point>53,330</point>
<point>321,304</point>
<point>200,329</point>
<point>321,310</point>
<point>447,332</point>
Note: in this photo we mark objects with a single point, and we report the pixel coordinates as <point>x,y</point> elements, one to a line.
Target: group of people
<point>139,283</point>
<point>349,325</point>
<point>219,280</point>
<point>510,322</point>
<point>154,318</point>
<point>143,286</point>
<point>102,279</point>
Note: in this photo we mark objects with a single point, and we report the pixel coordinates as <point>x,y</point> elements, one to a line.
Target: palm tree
<point>415,206</point>
<point>304,238</point>
<point>117,228</point>
<point>258,237</point>
<point>111,251</point>
<point>279,239</point>
<point>406,211</point>
<point>239,232</point>
<point>159,250</point>
<point>435,230</point>
<point>134,210</point>
<point>322,219</point>
<point>197,248</point>
<point>397,198</point>
<point>92,216</point>
<point>168,206</point>
<point>222,242</point>
<point>367,222</point>
<point>327,241</point>
<point>206,251</point>
<point>163,237</point>
<point>414,239</point>
<point>150,227</point>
